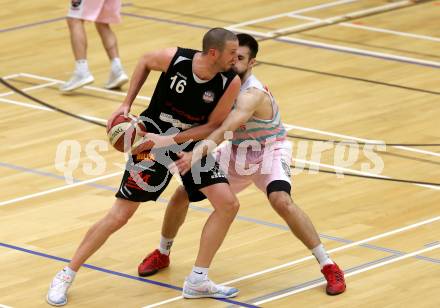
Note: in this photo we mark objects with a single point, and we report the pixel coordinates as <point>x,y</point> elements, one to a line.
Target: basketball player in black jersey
<point>194,95</point>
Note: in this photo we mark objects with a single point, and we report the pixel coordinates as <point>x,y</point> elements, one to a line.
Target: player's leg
<point>118,216</point>
<point>225,209</point>
<point>302,227</point>
<point>298,222</point>
<point>78,38</point>
<point>78,12</point>
<point>110,14</point>
<point>174,217</point>
<point>108,39</point>
<point>131,192</point>
<point>197,284</point>
<point>212,184</point>
<point>277,185</point>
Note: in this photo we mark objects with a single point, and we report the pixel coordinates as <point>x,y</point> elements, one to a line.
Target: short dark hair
<point>248,41</point>
<point>216,38</point>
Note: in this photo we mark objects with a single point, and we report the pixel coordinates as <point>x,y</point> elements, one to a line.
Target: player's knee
<point>180,198</point>
<point>281,202</point>
<point>120,213</point>
<point>117,219</point>
<point>73,22</point>
<point>101,26</point>
<point>230,207</point>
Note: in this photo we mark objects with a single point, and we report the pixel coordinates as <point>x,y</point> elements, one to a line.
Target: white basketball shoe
<point>78,80</point>
<point>207,288</point>
<point>117,79</point>
<point>57,294</point>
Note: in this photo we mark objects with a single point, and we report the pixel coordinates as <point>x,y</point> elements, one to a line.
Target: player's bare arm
<point>152,61</point>
<point>248,103</point>
<point>217,116</point>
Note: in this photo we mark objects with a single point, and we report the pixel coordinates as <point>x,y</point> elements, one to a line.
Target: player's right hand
<point>184,162</point>
<point>122,109</point>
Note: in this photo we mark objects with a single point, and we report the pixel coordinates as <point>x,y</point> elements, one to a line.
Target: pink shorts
<point>103,11</point>
<point>261,166</point>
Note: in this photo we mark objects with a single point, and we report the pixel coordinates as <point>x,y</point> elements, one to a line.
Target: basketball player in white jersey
<point>255,119</point>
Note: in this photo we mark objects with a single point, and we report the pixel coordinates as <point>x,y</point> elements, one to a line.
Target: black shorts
<point>145,179</point>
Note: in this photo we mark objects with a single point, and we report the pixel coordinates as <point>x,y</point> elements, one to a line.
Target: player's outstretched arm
<point>246,105</point>
<point>216,117</point>
<point>158,60</point>
<point>199,132</point>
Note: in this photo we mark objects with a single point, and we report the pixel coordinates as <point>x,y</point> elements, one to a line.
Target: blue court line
<point>208,210</point>
<point>34,171</point>
<point>107,271</point>
<point>192,25</point>
<point>432,244</point>
<point>322,279</point>
<point>168,21</point>
<point>42,22</point>
<point>313,281</point>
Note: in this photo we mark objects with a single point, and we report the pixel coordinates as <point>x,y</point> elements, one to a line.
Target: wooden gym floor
<point>340,70</point>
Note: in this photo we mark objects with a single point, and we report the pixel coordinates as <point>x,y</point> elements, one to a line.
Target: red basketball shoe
<point>335,279</point>
<point>153,263</point>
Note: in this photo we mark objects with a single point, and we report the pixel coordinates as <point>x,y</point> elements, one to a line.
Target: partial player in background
<point>102,13</point>
<point>255,119</point>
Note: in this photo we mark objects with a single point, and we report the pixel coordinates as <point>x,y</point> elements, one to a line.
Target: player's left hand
<point>183,164</point>
<point>150,140</point>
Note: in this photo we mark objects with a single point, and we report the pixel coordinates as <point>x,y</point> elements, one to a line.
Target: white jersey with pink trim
<point>263,131</point>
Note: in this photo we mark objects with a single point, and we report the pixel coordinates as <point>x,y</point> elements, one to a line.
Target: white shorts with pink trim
<point>103,11</point>
<point>261,166</point>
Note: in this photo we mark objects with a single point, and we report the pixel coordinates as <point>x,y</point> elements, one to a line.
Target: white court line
<point>42,193</point>
<point>308,9</point>
<point>288,127</point>
<point>147,98</point>
<point>360,13</point>
<point>10,76</point>
<point>13,102</point>
<point>374,29</point>
<point>393,260</point>
<point>242,278</point>
<point>351,50</point>
<point>93,118</point>
<point>268,270</point>
<point>312,163</point>
<point>408,34</point>
<point>27,105</point>
<point>404,148</point>
<point>332,46</point>
<point>4,306</point>
<point>30,88</point>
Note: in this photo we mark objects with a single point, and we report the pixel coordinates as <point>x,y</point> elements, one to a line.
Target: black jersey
<point>182,100</point>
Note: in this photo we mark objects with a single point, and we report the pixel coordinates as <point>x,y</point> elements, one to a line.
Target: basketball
<point>123,132</point>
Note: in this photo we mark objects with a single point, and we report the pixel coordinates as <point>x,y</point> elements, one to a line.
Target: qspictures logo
<point>248,158</point>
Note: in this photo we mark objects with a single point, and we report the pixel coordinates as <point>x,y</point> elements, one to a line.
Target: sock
<point>69,272</point>
<point>321,255</point>
<point>116,65</point>
<point>198,274</point>
<point>165,245</point>
<point>81,66</point>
